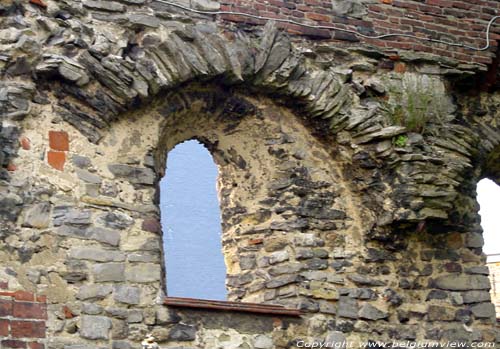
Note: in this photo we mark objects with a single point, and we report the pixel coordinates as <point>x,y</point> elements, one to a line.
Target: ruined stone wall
<point>347,185</point>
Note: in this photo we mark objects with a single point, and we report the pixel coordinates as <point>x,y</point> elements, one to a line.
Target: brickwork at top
<point>447,20</point>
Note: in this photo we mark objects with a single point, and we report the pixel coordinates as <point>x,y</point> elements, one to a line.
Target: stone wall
<point>346,179</point>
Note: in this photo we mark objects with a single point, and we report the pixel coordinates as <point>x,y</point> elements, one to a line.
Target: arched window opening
<point>190,216</point>
<point>488,194</point>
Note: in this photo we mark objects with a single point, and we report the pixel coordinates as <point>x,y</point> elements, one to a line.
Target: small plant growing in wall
<point>415,101</point>
<point>400,141</point>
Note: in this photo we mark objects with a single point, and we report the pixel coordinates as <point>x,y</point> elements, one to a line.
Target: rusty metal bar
<point>269,309</point>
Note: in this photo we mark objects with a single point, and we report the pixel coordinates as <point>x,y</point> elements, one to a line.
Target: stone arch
<point>284,200</point>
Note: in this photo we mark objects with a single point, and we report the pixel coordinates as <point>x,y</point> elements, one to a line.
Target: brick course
<point>23,318</point>
<point>447,20</point>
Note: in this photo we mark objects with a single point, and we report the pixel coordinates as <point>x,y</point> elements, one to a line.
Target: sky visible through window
<point>488,196</point>
<point>190,216</point>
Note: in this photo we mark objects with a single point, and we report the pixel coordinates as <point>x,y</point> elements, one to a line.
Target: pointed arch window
<point>190,215</point>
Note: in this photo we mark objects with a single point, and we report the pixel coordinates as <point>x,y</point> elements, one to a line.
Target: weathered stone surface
<point>483,310</point>
<point>95,327</point>
<point>182,333</point>
<point>462,282</point>
<point>135,175</point>
<point>144,272</point>
<point>127,294</point>
<point>347,307</point>
<point>37,216</point>
<point>96,254</point>
<point>109,272</point>
<point>476,296</point>
<point>369,312</point>
<point>93,291</point>
<point>88,177</point>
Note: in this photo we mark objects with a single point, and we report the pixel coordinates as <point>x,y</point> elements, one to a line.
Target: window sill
<point>255,308</point>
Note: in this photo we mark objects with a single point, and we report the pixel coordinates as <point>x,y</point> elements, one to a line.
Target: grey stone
<point>91,309</point>
<point>281,281</point>
<point>483,310</point>
<point>80,161</point>
<point>72,216</point>
<point>127,294</point>
<point>474,240</point>
<point>369,312</point>
<point>349,8</point>
<point>111,237</point>
<point>263,342</point>
<point>93,292</point>
<point>96,254</point>
<point>37,216</point>
<point>482,270</point>
<point>144,20</point>
<point>144,272</point>
<point>144,257</point>
<point>462,282</point>
<point>135,175</point>
<point>104,5</point>
<point>109,272</point>
<point>278,257</point>
<point>206,5</point>
<point>116,220</point>
<point>166,316</point>
<point>347,307</point>
<point>365,280</point>
<point>88,177</point>
<point>335,337</point>
<point>134,316</point>
<point>99,234</point>
<point>476,297</point>
<point>181,332</point>
<point>95,327</point>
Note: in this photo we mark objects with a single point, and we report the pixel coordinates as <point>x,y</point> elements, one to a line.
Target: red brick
<point>59,140</point>
<point>24,296</point>
<point>27,329</point>
<point>11,167</point>
<point>318,17</point>
<point>4,285</point>
<point>5,307</point>
<point>25,143</point>
<point>42,299</point>
<point>4,328</point>
<point>38,3</point>
<point>56,159</point>
<point>68,314</point>
<point>36,345</point>
<point>25,310</point>
<point>399,67</point>
<point>11,343</point>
